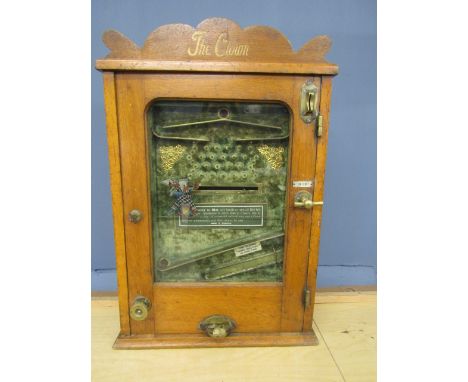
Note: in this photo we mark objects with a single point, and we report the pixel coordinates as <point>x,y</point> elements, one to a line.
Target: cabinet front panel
<point>255,307</point>
<point>215,162</point>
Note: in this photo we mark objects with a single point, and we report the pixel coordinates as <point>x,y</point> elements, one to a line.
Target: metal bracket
<point>319,126</point>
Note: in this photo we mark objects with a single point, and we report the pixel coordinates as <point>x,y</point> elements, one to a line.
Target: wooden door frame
<point>133,93</point>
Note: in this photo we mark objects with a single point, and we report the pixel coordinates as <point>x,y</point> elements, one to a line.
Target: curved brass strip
<point>221,248</point>
<point>210,121</point>
<point>181,138</point>
<point>237,267</point>
<point>262,139</point>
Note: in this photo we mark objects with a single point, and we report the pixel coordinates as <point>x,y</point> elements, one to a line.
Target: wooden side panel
<point>180,307</point>
<point>117,202</point>
<point>132,133</point>
<point>302,168</point>
<point>318,196</point>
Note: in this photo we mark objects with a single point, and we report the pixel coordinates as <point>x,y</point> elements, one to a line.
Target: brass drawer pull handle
<point>217,326</point>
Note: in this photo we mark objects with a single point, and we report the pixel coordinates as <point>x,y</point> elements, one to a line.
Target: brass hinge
<point>319,126</point>
<point>306,298</point>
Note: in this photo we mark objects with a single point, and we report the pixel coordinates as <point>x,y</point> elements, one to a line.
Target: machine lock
<point>303,199</point>
<point>140,308</point>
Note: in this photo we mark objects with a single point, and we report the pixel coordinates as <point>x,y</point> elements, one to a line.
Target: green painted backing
<point>246,154</point>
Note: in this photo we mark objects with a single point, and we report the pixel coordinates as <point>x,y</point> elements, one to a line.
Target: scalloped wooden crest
<point>215,39</point>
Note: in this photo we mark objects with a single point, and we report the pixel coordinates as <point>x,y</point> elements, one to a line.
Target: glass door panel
<point>218,175</point>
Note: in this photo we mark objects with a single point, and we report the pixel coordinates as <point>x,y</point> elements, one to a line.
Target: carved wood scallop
<point>220,41</point>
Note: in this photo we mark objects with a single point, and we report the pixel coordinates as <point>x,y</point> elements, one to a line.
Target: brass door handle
<point>303,199</point>
<point>140,308</point>
<point>217,326</point>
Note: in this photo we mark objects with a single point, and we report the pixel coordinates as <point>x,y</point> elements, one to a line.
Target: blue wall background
<point>348,243</point>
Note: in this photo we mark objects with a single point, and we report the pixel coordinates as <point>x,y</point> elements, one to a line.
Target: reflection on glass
<point>218,187</point>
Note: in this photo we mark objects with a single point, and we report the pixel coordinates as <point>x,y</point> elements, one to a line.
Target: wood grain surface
<point>350,331</point>
<point>132,132</point>
<point>181,341</point>
<point>255,307</point>
<point>117,198</point>
<point>216,44</point>
<point>298,220</point>
<point>321,157</point>
<point>135,92</point>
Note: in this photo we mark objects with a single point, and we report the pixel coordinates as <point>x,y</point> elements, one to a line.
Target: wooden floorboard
<point>344,326</point>
<point>349,330</point>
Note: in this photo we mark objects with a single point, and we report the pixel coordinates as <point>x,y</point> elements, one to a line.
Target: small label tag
<point>248,248</point>
<point>302,183</point>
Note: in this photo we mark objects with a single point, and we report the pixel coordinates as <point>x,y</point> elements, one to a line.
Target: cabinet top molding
<point>216,45</point>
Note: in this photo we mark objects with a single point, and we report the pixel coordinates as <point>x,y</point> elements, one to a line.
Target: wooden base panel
<point>176,341</point>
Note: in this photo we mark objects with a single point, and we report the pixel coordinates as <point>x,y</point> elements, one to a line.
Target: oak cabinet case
<point>217,144</point>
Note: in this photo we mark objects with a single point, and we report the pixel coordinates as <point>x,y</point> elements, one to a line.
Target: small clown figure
<point>182,191</point>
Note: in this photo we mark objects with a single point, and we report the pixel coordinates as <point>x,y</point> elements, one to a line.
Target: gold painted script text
<point>223,47</point>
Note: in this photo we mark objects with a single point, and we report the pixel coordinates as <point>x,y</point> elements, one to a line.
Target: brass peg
<point>135,216</point>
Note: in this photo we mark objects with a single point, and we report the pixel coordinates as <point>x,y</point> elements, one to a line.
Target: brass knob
<point>140,308</point>
<point>308,204</point>
<point>217,326</point>
<point>135,216</point>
